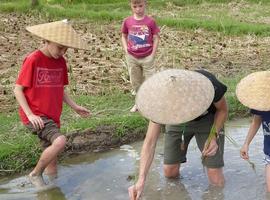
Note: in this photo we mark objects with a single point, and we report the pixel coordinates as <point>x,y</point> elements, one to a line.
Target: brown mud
<point>102,139</point>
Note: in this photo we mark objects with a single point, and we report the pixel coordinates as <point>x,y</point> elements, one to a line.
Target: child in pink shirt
<point>140,38</point>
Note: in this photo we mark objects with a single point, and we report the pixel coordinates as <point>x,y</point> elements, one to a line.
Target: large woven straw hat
<point>174,96</point>
<point>60,32</point>
<point>253,91</point>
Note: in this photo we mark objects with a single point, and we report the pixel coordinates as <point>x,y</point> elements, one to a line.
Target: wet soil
<point>99,140</point>
<point>103,68</point>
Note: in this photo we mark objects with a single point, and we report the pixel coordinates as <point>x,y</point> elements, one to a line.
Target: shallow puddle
<point>107,175</point>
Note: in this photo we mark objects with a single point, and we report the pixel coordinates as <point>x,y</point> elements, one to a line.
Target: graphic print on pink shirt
<point>138,37</point>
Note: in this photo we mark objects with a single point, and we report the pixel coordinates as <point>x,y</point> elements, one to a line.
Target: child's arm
<point>124,42</point>
<point>34,119</point>
<point>155,44</point>
<point>254,126</point>
<point>78,109</point>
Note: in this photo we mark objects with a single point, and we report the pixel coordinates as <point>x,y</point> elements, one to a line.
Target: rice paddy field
<point>229,38</point>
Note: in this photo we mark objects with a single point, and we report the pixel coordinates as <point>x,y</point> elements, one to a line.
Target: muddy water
<point>105,175</point>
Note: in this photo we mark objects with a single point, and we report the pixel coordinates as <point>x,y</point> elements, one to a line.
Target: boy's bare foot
<point>52,177</point>
<point>134,109</point>
<point>37,180</point>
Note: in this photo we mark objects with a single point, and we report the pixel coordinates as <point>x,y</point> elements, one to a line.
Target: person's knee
<point>60,142</point>
<point>216,177</point>
<point>171,171</point>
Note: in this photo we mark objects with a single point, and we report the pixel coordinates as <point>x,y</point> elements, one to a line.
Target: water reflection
<point>171,189</point>
<point>52,194</point>
<point>213,193</point>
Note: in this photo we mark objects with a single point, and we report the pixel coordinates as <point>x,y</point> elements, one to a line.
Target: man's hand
<point>135,191</point>
<point>211,148</point>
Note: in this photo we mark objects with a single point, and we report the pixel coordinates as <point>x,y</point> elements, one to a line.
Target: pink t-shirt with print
<point>140,35</point>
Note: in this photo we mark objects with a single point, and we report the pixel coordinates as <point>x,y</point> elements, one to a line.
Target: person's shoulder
<point>34,55</point>
<point>205,73</point>
<point>128,18</point>
<point>220,88</point>
<point>150,18</point>
<point>258,112</point>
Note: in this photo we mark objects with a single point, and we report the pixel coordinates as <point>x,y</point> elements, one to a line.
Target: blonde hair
<point>137,1</point>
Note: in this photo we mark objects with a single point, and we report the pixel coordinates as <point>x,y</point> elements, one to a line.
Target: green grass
<point>211,15</point>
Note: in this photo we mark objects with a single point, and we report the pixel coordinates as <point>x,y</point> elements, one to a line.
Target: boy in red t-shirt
<point>140,37</point>
<point>40,93</point>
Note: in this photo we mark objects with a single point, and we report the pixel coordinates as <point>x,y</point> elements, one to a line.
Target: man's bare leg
<point>171,171</point>
<point>215,176</point>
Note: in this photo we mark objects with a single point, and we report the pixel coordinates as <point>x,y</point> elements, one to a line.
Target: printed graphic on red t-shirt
<point>49,77</point>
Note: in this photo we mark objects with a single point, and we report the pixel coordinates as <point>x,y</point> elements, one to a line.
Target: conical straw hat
<point>174,96</point>
<point>253,91</point>
<point>60,32</point>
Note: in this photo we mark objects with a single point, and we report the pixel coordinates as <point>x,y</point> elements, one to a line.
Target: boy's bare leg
<point>215,176</point>
<point>267,177</point>
<point>48,155</point>
<point>51,169</point>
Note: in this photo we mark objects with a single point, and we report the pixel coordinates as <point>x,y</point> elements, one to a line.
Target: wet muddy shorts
<point>175,149</point>
<point>48,134</point>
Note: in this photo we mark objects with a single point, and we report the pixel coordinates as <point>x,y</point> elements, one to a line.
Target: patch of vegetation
<point>211,15</point>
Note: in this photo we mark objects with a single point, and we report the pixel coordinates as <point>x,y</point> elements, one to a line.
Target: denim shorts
<point>175,149</point>
<point>48,134</point>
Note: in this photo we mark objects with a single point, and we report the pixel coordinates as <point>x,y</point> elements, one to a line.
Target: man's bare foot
<point>37,180</point>
<point>134,109</point>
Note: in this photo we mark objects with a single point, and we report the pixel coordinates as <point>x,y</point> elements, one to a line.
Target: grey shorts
<point>48,134</point>
<point>175,151</point>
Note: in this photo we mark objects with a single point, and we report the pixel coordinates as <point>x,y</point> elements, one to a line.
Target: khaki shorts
<point>174,154</point>
<point>139,69</point>
<point>48,134</point>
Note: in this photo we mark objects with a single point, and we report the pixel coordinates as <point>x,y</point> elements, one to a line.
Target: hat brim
<point>174,96</point>
<point>253,91</point>
<point>59,32</point>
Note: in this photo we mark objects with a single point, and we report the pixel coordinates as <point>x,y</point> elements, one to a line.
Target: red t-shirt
<point>44,79</point>
<point>140,35</point>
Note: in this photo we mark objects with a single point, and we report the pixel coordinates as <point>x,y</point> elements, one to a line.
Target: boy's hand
<point>83,112</point>
<point>244,152</point>
<point>36,121</point>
